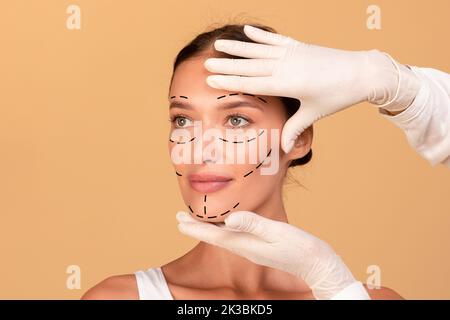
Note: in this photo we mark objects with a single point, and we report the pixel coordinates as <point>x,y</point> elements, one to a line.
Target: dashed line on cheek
<point>259,165</point>
<point>181,142</point>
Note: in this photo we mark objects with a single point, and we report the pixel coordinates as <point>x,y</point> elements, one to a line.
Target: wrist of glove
<point>328,276</point>
<point>354,291</point>
<point>392,85</point>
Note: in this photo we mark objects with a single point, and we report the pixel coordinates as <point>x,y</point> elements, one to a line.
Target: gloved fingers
<point>240,243</point>
<point>249,49</point>
<point>245,221</point>
<point>183,216</point>
<point>253,85</point>
<point>295,125</point>
<point>266,37</point>
<point>242,67</point>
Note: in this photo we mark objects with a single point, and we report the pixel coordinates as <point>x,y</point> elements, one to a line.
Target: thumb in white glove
<point>277,245</point>
<point>325,80</point>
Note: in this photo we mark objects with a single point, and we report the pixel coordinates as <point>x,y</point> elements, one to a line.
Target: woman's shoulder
<point>383,293</point>
<point>116,287</point>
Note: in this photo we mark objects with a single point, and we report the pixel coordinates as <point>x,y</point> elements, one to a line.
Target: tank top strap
<point>152,285</point>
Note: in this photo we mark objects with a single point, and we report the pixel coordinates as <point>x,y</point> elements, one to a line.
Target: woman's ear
<point>302,145</point>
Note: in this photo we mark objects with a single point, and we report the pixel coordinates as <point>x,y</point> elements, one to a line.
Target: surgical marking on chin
<point>259,165</point>
<point>181,142</point>
<point>204,211</point>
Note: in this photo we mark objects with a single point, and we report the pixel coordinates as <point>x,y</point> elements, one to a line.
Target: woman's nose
<point>211,147</point>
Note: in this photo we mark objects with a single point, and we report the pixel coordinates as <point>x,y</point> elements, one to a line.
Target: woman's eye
<point>237,121</point>
<point>182,122</point>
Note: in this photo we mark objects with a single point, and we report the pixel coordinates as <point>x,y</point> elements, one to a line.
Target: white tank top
<point>152,285</point>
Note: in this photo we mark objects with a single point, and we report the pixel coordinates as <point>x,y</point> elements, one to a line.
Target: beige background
<point>85,177</point>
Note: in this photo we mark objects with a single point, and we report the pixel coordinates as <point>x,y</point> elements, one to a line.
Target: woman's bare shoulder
<point>383,293</point>
<point>117,287</point>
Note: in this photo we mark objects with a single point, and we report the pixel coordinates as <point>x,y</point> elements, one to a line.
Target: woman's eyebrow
<point>180,104</point>
<point>223,105</point>
<point>239,103</point>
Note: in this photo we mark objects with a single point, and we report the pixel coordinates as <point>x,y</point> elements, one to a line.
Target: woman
<point>212,190</point>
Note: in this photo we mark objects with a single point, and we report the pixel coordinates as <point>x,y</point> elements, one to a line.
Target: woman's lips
<point>206,183</point>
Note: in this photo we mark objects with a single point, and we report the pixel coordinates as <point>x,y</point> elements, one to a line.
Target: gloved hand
<point>282,246</point>
<point>325,80</point>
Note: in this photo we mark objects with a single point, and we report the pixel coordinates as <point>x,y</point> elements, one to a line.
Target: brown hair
<point>205,41</point>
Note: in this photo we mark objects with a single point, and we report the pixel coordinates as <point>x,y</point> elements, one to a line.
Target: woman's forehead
<point>190,78</point>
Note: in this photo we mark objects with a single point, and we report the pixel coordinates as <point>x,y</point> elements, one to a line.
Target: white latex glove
<point>325,80</point>
<point>281,246</point>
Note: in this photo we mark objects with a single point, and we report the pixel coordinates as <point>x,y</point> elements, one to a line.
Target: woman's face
<point>213,129</point>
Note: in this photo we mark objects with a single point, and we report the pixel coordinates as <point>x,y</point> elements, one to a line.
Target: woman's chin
<point>216,220</point>
<point>207,208</point>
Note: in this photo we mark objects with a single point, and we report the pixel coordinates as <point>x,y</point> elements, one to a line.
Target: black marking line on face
<point>173,97</point>
<point>248,140</point>
<point>259,165</point>
<point>210,217</point>
<point>244,94</point>
<point>256,137</point>
<point>263,100</point>
<point>181,142</point>
<point>178,174</point>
